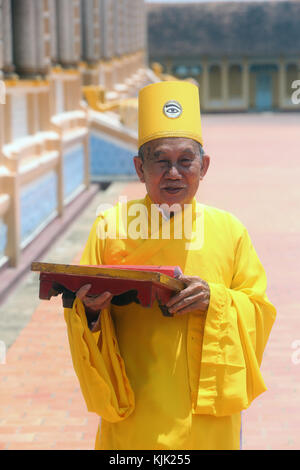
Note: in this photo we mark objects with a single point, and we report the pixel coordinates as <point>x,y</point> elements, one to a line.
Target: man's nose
<point>173,172</point>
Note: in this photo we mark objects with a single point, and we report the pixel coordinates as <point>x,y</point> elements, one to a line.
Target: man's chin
<point>170,199</point>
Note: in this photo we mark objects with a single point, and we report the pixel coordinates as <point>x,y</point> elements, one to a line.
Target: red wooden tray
<point>140,284</point>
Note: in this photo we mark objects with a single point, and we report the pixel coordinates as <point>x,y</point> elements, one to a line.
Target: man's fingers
<point>181,295</point>
<point>191,299</point>
<point>96,326</point>
<point>186,279</point>
<point>182,311</point>
<point>81,293</point>
<point>94,303</point>
<point>100,302</point>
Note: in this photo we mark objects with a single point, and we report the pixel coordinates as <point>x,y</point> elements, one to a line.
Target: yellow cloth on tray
<point>181,382</point>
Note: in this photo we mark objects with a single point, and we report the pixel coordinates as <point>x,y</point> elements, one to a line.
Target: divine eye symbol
<point>172,109</point>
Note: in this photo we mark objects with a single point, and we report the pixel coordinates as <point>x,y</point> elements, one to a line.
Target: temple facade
<point>244,55</point>
<point>70,71</point>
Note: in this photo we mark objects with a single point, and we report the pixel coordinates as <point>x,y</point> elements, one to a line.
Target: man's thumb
<point>81,293</point>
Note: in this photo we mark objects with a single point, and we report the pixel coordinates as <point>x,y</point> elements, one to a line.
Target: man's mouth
<point>173,189</point>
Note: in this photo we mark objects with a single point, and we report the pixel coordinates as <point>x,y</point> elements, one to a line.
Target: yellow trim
<point>25,83</point>
<point>61,70</point>
<point>158,135</point>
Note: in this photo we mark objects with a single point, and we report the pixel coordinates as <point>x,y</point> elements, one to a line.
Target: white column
<point>224,82</point>
<point>205,84</point>
<point>245,83</point>
<point>282,82</point>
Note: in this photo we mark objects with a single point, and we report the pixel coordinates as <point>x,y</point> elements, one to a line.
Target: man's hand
<point>93,305</point>
<point>195,296</point>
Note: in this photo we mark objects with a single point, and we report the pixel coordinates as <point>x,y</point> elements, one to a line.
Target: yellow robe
<point>181,382</point>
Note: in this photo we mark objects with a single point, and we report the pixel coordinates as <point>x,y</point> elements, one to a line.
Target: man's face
<point>171,170</point>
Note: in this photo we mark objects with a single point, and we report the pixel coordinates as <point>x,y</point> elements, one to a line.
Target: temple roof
<point>229,29</point>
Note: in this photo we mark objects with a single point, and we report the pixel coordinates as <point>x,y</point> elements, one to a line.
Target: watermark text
<point>296,94</point>
<point>158,221</point>
<point>2,352</point>
<point>296,354</point>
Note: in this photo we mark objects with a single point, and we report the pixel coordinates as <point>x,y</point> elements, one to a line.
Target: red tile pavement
<point>255,173</point>
<point>41,405</point>
<point>256,162</point>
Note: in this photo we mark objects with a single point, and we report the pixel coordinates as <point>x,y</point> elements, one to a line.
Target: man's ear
<point>138,163</point>
<point>205,166</point>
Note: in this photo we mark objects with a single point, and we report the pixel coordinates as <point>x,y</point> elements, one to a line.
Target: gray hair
<point>141,153</point>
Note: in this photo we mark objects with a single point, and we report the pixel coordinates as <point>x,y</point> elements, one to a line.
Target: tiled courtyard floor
<point>255,174</point>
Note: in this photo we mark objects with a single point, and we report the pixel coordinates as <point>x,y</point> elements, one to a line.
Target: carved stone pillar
<point>8,66</point>
<point>91,34</point>
<point>1,40</point>
<point>53,32</point>
<point>2,86</point>
<point>68,32</point>
<point>31,37</point>
<point>131,26</point>
<point>141,26</point>
<point>120,26</point>
<point>107,28</point>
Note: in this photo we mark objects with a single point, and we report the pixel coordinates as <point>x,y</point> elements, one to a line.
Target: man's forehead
<point>172,143</point>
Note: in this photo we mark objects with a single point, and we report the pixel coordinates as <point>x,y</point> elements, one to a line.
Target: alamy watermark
<point>2,352</point>
<point>159,221</point>
<point>2,92</point>
<point>296,95</point>
<point>296,354</point>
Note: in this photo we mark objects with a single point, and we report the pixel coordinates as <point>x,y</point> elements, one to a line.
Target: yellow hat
<point>169,109</point>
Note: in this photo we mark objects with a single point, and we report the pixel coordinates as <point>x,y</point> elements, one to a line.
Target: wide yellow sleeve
<point>95,246</point>
<point>238,324</point>
<point>96,357</point>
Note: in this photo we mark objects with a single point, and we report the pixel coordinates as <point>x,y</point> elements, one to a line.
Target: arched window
<point>195,70</point>
<point>215,82</point>
<point>181,70</point>
<point>235,81</point>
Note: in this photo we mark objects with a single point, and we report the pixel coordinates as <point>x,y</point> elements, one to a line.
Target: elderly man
<point>176,382</point>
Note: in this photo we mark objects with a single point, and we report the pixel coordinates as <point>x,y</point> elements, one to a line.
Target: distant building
<point>245,55</point>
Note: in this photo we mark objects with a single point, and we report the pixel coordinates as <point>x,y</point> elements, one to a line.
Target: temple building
<point>245,55</point>
<point>70,72</point>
